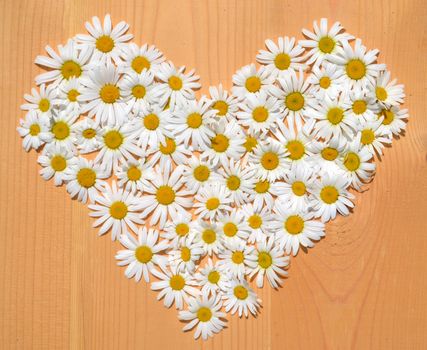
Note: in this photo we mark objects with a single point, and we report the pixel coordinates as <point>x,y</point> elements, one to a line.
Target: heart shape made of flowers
<point>209,197</point>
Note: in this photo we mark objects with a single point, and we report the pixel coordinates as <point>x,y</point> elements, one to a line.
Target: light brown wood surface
<point>363,287</point>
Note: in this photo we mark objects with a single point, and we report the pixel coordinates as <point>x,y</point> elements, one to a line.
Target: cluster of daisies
<point>209,197</point>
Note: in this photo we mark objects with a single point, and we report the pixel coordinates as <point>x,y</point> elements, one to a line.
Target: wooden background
<point>363,287</point>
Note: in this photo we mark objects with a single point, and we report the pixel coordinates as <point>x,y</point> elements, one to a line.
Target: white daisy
<point>262,193</point>
<point>268,261</point>
<point>394,119</point>
<point>41,101</point>
<point>248,80</point>
<point>136,59</point>
<point>235,258</point>
<point>360,105</point>
<point>212,199</point>
<point>165,197</point>
<point>85,179</point>
<point>211,278</point>
<point>178,229</point>
<point>233,226</point>
<point>295,227</point>
<point>387,92</point>
<point>68,91</point>
<point>187,254</point>
<point>86,135</point>
<point>327,154</point>
<point>198,173</point>
<point>34,130</point>
<point>259,222</point>
<point>268,161</point>
<point>326,81</point>
<point>135,175</point>
<point>142,254</point>
<point>210,236</point>
<point>69,62</point>
<point>323,41</point>
<point>61,127</point>
<point>240,297</point>
<point>115,209</point>
<point>373,136</point>
<point>56,161</point>
<point>223,103</point>
<point>106,41</point>
<point>175,287</point>
<point>280,57</point>
<point>205,313</point>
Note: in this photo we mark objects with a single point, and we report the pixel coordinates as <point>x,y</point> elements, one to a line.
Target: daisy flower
<point>387,92</point>
<point>295,227</point>
<point>186,256</point>
<point>176,87</point>
<point>331,196</point>
<point>210,236</point>
<point>56,161</point>
<point>69,62</point>
<point>248,80</point>
<point>115,209</point>
<point>268,261</point>
<point>360,105</point>
<point>174,286</point>
<point>204,314</point>
<point>373,136</point>
<point>34,130</point>
<point>393,119</point>
<point>357,165</point>
<point>327,154</point>
<point>84,180</point>
<point>233,226</point>
<point>268,161</point>
<point>258,221</point>
<point>226,143</point>
<point>262,193</point>
<point>106,41</point>
<point>135,175</point>
<point>136,59</point>
<point>102,97</point>
<point>281,57</point>
<point>211,200</point>
<point>86,135</point>
<point>239,297</point>
<point>259,112</point>
<point>223,103</point>
<point>190,123</point>
<point>164,197</point>
<point>323,41</point>
<point>294,95</point>
<point>357,64</point>
<point>178,229</point>
<point>235,259</point>
<point>61,127</point>
<point>143,254</point>
<point>211,278</point>
<point>252,140</point>
<point>68,91</point>
<point>116,145</point>
<point>41,101</point>
<point>197,173</point>
<point>326,81</point>
<point>237,180</point>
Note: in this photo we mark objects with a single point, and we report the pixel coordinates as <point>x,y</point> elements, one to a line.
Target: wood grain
<point>363,287</point>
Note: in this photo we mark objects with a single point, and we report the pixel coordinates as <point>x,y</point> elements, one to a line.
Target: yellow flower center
<point>282,61</point>
<point>109,93</point>
<point>299,188</point>
<point>388,116</point>
<point>325,82</point>
<point>255,221</point>
<point>329,194</point>
<point>182,229</point>
<point>151,121</point>
<point>294,101</point>
<point>230,229</point>
<point>260,114</point>
<point>253,84</point>
<point>113,139</point>
<point>72,95</point>
<point>169,148</point>
<point>296,149</point>
<point>175,83</point>
<point>335,115</point>
<point>71,69</point>
<point>134,173</point>
<point>359,106</point>
<point>58,163</point>
<point>326,44</point>
<point>264,260</point>
<point>237,257</point>
<point>89,133</point>
<point>138,91</point>
<point>270,160</point>
<point>250,143</point>
<point>201,173</point>
<point>118,210</point>
<point>329,153</point>
<point>204,314</point>
<point>105,43</point>
<point>262,186</point>
<point>139,63</point>
<point>221,107</point>
<point>381,93</point>
<point>213,277</point>
<point>60,130</point>
<point>212,203</point>
<point>355,69</point>
<point>194,120</point>
<point>44,105</point>
<point>240,292</point>
<point>86,177</point>
<point>220,143</point>
<point>165,195</point>
<point>177,282</point>
<point>209,236</point>
<point>352,161</point>
<point>294,224</point>
<point>185,254</point>
<point>367,137</point>
<point>233,183</point>
<point>34,129</point>
<point>143,254</point>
